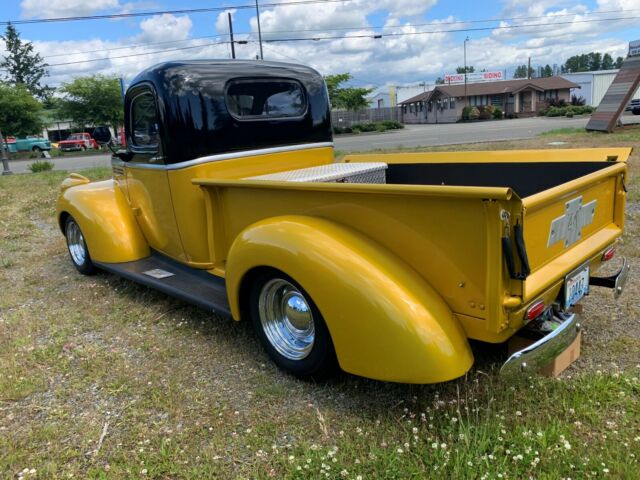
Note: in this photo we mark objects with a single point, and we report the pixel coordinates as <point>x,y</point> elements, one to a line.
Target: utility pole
<point>529,68</point>
<point>233,46</point>
<point>466,99</point>
<point>259,31</point>
<point>3,154</point>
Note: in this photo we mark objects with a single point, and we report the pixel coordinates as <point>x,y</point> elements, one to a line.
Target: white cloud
<point>222,21</point>
<point>64,8</point>
<point>165,28</point>
<point>407,56</point>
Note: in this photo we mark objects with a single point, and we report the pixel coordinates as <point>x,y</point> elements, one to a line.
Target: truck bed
<point>525,178</point>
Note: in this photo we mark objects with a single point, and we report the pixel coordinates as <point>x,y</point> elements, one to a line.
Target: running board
<point>191,285</point>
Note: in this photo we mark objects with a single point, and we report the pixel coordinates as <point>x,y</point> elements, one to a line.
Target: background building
<point>525,97</point>
<point>593,85</point>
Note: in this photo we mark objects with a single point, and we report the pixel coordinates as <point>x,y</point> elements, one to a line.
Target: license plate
<point>576,286</point>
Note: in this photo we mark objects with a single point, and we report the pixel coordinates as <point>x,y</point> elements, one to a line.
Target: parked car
<point>228,196</point>
<point>28,144</point>
<point>634,106</point>
<point>78,141</point>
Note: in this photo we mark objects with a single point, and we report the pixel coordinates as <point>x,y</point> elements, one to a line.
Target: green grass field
<point>101,378</point>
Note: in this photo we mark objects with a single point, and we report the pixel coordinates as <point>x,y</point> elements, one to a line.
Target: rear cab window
<point>144,121</point>
<point>265,99</point>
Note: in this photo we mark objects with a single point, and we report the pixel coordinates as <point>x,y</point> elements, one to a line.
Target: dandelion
<point>518,413</point>
<point>143,471</point>
<point>434,445</point>
<point>399,450</point>
<point>414,430</point>
<point>344,473</point>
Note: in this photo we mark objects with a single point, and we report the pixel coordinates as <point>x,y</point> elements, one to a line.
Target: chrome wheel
<point>286,319</point>
<point>76,244</point>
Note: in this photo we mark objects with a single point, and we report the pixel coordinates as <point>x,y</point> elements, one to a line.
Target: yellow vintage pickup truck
<point>228,196</point>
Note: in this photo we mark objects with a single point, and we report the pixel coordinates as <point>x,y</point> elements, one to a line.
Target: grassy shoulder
<point>101,378</point>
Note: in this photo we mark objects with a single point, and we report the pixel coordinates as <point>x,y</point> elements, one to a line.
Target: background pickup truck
<point>28,144</point>
<point>78,141</point>
<point>228,196</point>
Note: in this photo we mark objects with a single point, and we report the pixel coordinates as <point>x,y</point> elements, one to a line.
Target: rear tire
<point>78,250</point>
<point>290,327</point>
<point>36,149</point>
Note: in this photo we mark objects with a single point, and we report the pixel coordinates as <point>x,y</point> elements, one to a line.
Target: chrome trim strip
<point>229,156</point>
<point>542,352</point>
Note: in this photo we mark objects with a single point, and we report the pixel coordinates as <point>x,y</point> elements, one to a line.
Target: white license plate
<point>576,286</point>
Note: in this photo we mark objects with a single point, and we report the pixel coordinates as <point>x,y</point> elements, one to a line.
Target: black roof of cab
<point>194,116</point>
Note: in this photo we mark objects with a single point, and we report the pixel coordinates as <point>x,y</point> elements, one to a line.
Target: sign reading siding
<point>619,93</point>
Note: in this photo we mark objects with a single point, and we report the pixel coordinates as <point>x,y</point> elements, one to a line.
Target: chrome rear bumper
<point>616,281</point>
<point>544,350</point>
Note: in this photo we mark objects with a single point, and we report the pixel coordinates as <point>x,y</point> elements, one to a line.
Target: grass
<point>103,379</point>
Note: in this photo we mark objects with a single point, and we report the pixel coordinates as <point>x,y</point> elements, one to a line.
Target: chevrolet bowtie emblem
<point>569,226</point>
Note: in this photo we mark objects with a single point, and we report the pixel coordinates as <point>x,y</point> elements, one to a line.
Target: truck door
<point>146,175</point>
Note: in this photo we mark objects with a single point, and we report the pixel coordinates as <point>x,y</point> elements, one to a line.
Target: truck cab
<point>228,196</point>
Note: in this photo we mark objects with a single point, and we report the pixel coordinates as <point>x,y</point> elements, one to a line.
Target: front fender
<point>386,322</point>
<point>105,218</point>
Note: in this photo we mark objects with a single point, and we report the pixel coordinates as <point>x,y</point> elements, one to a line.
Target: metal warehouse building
<point>593,85</point>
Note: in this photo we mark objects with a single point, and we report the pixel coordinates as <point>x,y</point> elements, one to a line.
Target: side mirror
<point>102,135</point>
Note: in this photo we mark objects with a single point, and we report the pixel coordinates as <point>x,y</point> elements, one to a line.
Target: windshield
<point>76,136</point>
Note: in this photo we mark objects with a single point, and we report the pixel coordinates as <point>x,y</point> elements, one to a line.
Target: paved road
<point>66,163</point>
<point>456,133</point>
<point>411,136</point>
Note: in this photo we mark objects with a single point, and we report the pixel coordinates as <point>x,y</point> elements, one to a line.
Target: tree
<point>607,62</point>
<point>470,69</point>
<point>22,65</point>
<point>522,71</point>
<point>349,98</point>
<point>439,81</point>
<point>547,71</point>
<point>93,100</point>
<point>590,62</point>
<point>19,111</point>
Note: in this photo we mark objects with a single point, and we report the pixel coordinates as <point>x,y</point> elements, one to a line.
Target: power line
<point>161,12</point>
<point>137,54</point>
<point>382,27</point>
<point>400,34</point>
<point>375,36</point>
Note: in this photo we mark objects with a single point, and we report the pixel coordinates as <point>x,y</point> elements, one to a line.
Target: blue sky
<point>562,28</point>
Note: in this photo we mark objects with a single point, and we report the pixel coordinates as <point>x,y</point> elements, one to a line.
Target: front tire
<point>290,327</point>
<point>36,149</point>
<point>78,250</point>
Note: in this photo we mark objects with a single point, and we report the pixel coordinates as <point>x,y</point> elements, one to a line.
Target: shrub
<point>556,102</point>
<point>465,112</point>
<point>577,101</point>
<point>40,166</point>
<point>392,124</point>
<point>569,114</point>
<point>484,112</point>
<point>474,113</point>
<point>497,113</point>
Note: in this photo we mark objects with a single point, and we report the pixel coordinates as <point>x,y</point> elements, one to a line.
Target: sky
<point>420,39</point>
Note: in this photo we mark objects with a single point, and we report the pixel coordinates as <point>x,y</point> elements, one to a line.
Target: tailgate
<point>568,224</point>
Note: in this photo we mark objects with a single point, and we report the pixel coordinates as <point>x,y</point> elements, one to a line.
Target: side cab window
<point>144,126</point>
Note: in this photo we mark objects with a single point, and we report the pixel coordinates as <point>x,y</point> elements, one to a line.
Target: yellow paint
<point>106,221</point>
<point>386,322</point>
<point>189,202</point>
<point>403,274</point>
<point>151,200</point>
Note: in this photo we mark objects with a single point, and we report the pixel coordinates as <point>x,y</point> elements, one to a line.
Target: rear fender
<point>105,218</point>
<point>386,322</point>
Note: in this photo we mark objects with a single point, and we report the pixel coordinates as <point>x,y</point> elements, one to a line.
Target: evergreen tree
<point>522,71</point>
<point>607,62</point>
<point>547,71</point>
<point>470,69</point>
<point>618,63</point>
<point>22,65</point>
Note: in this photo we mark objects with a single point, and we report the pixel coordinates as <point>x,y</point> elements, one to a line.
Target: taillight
<point>534,311</point>
<point>608,254</point>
